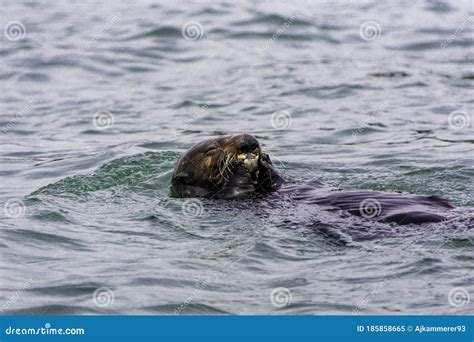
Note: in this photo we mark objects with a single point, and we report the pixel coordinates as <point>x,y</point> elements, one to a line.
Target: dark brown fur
<point>211,169</point>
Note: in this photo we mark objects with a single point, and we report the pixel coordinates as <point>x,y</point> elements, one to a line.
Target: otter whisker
<point>224,166</point>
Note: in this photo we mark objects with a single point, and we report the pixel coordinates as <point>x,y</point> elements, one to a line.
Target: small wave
<point>27,234</point>
<point>33,77</point>
<point>330,92</point>
<point>51,216</point>
<point>54,309</point>
<point>66,290</point>
<point>432,45</point>
<point>160,32</point>
<point>275,19</point>
<point>390,74</point>
<point>418,84</point>
<point>469,77</point>
<point>440,7</point>
<point>190,309</point>
<point>132,172</point>
<point>287,36</point>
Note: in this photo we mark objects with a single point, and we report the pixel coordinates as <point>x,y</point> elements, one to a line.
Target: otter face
<point>226,167</point>
<point>246,149</point>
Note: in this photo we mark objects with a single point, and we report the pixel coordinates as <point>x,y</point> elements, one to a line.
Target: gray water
<point>98,101</point>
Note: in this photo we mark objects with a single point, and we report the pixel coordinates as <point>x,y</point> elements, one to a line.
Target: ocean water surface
<point>99,100</point>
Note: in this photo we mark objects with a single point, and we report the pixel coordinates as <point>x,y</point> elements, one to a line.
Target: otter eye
<point>209,149</point>
<point>247,147</point>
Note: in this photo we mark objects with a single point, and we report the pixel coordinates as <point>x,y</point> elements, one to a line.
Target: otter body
<point>234,167</point>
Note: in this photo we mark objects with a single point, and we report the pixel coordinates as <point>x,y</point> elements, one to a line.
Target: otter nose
<point>248,143</point>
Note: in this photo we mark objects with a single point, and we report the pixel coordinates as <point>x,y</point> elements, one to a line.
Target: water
<point>97,232</point>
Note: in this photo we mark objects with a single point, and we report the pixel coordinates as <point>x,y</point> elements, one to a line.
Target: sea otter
<point>235,167</point>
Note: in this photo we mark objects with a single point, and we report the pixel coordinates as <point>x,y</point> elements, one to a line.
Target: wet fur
<point>211,169</point>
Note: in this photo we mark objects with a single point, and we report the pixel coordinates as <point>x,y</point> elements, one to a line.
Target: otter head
<point>226,167</point>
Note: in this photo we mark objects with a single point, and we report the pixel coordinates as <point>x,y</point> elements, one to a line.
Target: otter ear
<point>180,177</point>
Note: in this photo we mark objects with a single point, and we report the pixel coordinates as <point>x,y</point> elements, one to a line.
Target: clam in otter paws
<point>250,161</point>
